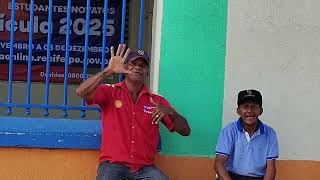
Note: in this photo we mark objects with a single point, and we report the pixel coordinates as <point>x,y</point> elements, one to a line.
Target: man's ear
<point>238,110</point>
<point>261,111</point>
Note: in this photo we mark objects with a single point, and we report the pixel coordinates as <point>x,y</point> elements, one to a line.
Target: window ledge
<point>49,133</point>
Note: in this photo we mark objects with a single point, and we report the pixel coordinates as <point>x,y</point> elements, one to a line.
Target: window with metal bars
<point>38,105</point>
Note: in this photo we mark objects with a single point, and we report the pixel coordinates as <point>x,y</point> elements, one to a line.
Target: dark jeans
<point>110,171</point>
<point>235,176</point>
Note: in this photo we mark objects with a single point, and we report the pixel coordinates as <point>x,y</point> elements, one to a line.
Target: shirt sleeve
<point>273,149</point>
<point>225,142</point>
<point>101,95</point>
<point>166,119</point>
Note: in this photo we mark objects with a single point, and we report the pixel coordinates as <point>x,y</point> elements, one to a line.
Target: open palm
<point>117,61</point>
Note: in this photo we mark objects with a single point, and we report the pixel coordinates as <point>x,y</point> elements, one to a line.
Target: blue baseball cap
<point>135,54</point>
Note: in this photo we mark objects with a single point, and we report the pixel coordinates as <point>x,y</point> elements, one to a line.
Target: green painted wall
<point>193,46</point>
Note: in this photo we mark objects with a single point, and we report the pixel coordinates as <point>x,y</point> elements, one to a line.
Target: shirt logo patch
<point>118,104</point>
<point>148,109</point>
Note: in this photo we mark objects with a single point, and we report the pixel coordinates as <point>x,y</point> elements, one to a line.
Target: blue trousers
<point>110,171</point>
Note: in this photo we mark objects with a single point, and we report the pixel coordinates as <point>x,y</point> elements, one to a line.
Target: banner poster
<point>58,39</point>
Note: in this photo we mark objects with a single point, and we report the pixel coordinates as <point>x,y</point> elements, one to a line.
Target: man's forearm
<point>180,123</point>
<point>270,170</point>
<point>88,86</point>
<point>222,172</point>
<point>270,174</point>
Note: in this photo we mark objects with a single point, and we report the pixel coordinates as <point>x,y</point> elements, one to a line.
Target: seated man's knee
<point>162,177</point>
<point>158,175</point>
<point>153,173</point>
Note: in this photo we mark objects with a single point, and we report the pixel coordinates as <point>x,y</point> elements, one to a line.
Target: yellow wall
<point>46,164</point>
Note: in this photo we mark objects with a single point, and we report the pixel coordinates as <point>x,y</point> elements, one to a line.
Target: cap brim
<point>249,99</point>
<point>137,57</point>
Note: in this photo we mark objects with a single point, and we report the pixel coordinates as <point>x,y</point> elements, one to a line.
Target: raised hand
<point>159,111</point>
<point>116,63</point>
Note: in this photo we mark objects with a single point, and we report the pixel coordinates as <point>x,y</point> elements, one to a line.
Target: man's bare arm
<point>220,167</point>
<point>270,170</point>
<point>181,125</point>
<point>86,88</point>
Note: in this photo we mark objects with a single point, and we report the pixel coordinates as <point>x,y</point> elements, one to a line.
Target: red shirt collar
<point>144,89</point>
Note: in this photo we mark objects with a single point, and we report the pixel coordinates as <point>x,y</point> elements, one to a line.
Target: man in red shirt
<point>130,118</point>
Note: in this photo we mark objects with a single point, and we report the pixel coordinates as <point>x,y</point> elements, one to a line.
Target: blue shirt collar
<point>261,126</point>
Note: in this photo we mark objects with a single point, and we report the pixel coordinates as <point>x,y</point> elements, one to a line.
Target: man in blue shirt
<point>247,148</point>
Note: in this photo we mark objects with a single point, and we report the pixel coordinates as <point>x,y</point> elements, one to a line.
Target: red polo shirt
<point>128,135</point>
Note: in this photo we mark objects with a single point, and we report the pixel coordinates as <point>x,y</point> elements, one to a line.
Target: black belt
<point>235,176</point>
